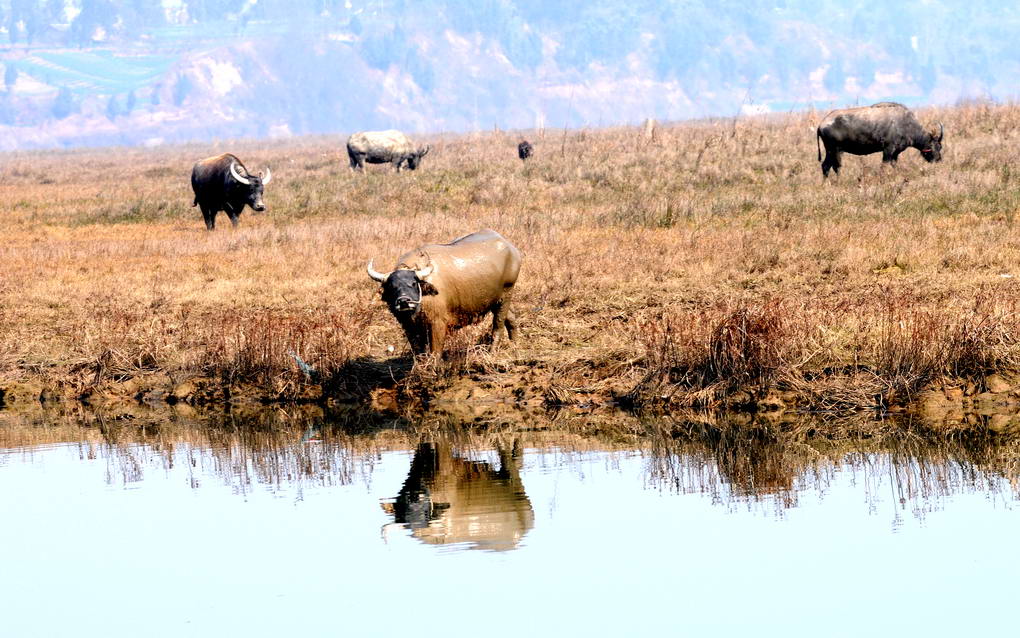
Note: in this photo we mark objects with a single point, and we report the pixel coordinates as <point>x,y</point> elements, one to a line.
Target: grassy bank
<point>707,265</point>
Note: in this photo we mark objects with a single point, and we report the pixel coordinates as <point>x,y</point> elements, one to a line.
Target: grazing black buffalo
<point>223,183</point>
<point>525,150</point>
<point>439,288</point>
<point>384,147</point>
<point>887,127</point>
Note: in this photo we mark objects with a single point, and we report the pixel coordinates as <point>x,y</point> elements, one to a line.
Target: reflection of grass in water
<point>733,459</point>
<point>743,459</point>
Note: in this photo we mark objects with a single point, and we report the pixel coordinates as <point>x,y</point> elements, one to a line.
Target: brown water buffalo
<point>887,127</point>
<point>525,150</point>
<point>223,183</point>
<point>448,499</point>
<point>384,147</point>
<point>441,287</point>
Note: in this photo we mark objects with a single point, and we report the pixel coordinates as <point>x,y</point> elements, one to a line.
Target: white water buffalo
<point>887,127</point>
<point>384,147</point>
<point>438,288</point>
<point>449,499</point>
<point>223,183</point>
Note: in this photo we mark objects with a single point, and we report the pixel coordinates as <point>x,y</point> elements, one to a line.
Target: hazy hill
<point>152,71</point>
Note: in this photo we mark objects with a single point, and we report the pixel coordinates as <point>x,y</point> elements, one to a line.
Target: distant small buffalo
<point>384,147</point>
<point>223,183</point>
<point>525,150</point>
<point>887,127</point>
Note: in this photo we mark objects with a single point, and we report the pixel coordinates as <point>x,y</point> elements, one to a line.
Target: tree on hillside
<point>20,13</point>
<point>605,34</point>
<point>864,71</point>
<point>210,10</point>
<point>95,14</point>
<point>149,13</point>
<point>64,105</point>
<point>8,111</point>
<point>835,78</point>
<point>112,108</point>
<point>182,89</point>
<point>10,76</point>
<point>53,10</point>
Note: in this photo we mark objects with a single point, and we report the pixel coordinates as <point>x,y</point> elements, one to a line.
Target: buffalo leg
<point>357,161</point>
<point>437,337</point>
<point>417,338</point>
<point>890,155</point>
<point>503,318</point>
<point>498,317</point>
<point>511,324</point>
<point>831,161</point>
<point>210,218</point>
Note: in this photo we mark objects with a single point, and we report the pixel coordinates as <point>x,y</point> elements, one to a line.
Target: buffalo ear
<point>428,289</point>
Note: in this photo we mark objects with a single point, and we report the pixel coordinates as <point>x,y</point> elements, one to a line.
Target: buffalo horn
<point>425,151</point>
<point>422,273</point>
<point>942,131</point>
<point>375,274</point>
<point>268,177</point>
<point>236,175</point>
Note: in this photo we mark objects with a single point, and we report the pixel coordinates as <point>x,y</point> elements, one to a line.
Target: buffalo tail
<point>818,136</point>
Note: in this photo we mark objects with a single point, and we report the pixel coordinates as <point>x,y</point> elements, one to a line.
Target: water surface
<point>237,526</point>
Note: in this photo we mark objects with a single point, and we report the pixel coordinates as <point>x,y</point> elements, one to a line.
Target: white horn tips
<point>375,274</point>
<point>236,175</point>
<point>268,178</point>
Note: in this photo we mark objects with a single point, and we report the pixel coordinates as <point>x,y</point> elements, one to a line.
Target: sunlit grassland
<point>707,260</point>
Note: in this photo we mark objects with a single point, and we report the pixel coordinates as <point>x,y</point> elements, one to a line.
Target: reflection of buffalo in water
<point>447,499</point>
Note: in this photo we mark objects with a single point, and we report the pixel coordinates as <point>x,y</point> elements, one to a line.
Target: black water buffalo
<point>384,147</point>
<point>887,127</point>
<point>525,150</point>
<point>223,183</point>
<point>438,288</point>
<point>450,499</point>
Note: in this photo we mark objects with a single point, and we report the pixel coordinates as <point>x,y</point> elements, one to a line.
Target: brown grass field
<point>709,265</point>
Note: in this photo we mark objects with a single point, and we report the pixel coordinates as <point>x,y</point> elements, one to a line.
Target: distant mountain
<point>153,71</point>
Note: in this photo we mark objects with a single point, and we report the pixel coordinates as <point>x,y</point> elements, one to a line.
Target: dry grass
<point>709,261</point>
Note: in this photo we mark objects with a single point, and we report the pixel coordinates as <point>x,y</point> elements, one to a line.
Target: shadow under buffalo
<point>360,377</point>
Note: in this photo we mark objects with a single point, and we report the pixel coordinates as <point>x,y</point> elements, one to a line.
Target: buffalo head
<point>933,152</point>
<point>404,288</point>
<point>254,183</point>
<point>415,158</point>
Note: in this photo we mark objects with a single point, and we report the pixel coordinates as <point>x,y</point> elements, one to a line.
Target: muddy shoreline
<point>993,401</point>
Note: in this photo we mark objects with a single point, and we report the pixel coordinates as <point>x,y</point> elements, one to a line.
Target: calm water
<point>228,529</point>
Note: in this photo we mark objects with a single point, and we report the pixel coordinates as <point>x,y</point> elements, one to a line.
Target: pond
<point>305,522</point>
